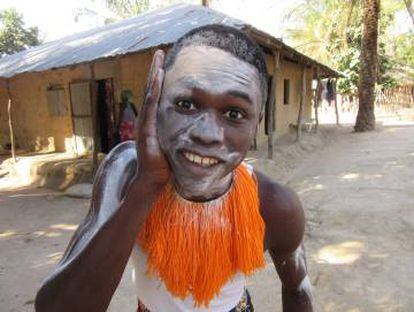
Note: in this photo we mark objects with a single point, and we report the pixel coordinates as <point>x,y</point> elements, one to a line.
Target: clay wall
<point>35,128</point>
<point>287,114</point>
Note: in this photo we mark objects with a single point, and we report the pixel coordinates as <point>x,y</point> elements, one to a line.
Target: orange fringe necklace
<point>195,248</point>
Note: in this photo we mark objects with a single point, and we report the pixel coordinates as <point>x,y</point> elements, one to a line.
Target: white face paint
<point>208,113</point>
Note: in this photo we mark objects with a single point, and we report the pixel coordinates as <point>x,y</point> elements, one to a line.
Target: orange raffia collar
<point>195,248</point>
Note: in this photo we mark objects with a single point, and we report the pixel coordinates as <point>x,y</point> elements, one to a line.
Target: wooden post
<point>205,3</point>
<point>336,102</point>
<point>301,104</point>
<point>317,97</point>
<point>10,114</point>
<point>94,123</point>
<point>272,104</point>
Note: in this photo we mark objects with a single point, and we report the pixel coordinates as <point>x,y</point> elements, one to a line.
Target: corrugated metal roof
<point>143,31</point>
<point>152,29</point>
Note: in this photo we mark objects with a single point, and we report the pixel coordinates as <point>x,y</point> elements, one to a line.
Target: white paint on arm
<point>305,286</point>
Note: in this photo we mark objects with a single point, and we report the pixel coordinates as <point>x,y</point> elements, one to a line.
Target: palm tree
<point>315,25</point>
<point>368,69</point>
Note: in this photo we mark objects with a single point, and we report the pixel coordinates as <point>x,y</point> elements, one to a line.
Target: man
<point>194,217</point>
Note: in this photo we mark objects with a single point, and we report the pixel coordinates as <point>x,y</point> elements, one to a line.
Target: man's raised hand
<point>152,165</point>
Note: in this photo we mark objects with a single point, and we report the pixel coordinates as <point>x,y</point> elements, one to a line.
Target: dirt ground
<point>358,194</point>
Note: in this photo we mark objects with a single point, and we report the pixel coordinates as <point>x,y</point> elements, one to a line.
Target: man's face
<point>208,113</point>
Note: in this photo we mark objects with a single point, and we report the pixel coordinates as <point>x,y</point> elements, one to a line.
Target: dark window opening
<point>286,91</point>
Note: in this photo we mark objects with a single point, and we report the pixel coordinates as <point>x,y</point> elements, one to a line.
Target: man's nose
<point>207,131</point>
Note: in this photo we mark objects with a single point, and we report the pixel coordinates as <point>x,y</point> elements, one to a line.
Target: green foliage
<point>404,46</point>
<point>317,24</point>
<point>404,53</point>
<point>127,8</point>
<point>348,62</point>
<point>346,51</point>
<point>14,37</point>
<point>331,32</point>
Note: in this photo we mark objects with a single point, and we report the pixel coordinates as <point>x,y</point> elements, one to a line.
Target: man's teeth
<point>203,161</point>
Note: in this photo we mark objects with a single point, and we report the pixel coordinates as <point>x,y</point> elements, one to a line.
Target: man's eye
<point>234,114</point>
<point>185,105</point>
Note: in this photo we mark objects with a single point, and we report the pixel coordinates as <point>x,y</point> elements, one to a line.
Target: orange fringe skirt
<point>195,248</point>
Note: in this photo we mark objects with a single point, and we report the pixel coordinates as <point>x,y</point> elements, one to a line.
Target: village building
<point>64,95</point>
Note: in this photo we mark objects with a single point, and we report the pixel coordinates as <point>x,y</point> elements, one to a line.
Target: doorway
<point>105,113</point>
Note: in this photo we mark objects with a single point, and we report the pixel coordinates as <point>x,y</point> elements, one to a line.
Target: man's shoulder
<point>283,214</point>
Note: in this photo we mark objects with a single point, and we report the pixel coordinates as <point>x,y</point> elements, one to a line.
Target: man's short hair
<point>228,39</point>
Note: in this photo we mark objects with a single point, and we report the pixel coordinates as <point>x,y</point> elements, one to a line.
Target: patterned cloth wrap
<point>126,130</point>
<point>245,304</point>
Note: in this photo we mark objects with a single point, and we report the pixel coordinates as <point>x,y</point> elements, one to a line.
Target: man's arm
<point>296,287</point>
<point>285,223</point>
<point>92,266</point>
<point>88,282</point>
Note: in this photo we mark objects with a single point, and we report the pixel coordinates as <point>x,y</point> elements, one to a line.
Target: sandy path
<point>359,197</point>
<point>358,194</point>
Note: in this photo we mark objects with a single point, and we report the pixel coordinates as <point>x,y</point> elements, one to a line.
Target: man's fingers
<point>159,60</point>
<point>148,126</point>
<point>157,63</point>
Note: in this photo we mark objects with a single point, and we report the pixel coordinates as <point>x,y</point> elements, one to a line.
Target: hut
<point>63,95</point>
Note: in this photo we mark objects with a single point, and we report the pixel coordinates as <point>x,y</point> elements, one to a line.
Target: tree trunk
<point>368,71</point>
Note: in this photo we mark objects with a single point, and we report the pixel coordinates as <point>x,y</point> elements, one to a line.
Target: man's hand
<point>152,167</point>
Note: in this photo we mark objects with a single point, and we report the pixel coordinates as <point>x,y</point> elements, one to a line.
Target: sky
<point>57,18</point>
